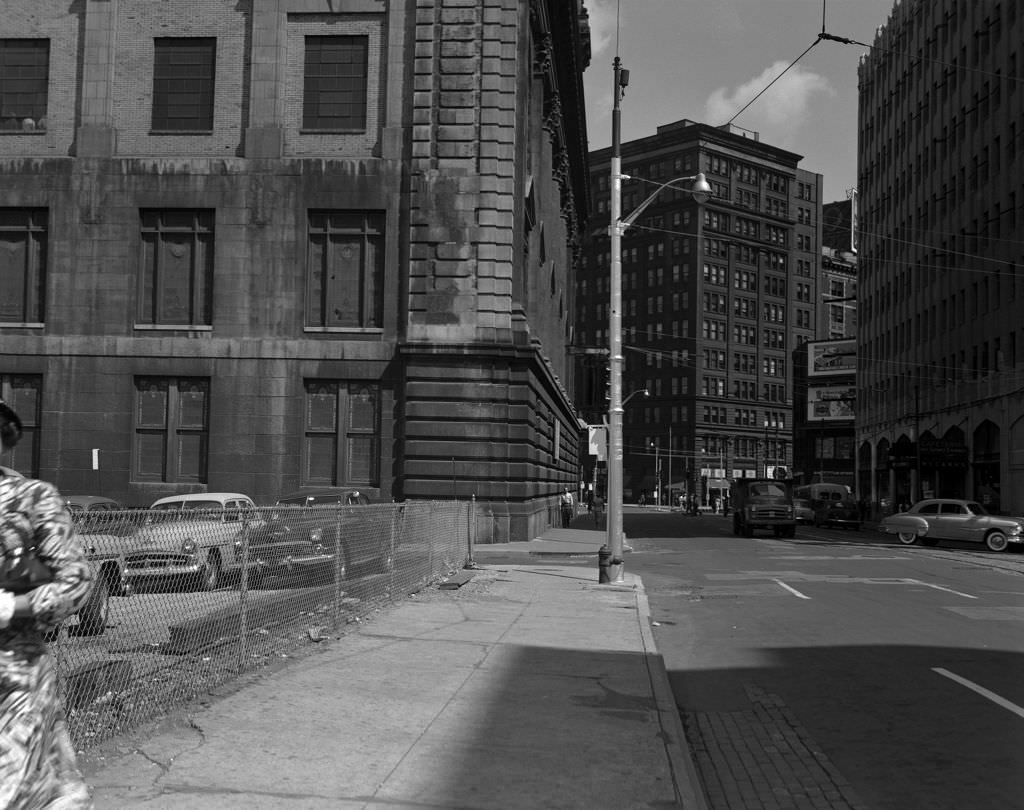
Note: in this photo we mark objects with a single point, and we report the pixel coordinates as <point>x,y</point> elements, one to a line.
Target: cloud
<point>602,24</point>
<point>781,112</point>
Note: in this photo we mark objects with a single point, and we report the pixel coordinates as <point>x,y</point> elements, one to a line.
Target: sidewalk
<point>531,686</point>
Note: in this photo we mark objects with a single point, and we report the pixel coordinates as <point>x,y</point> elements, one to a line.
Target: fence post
<point>243,595</point>
<point>471,530</point>
<point>339,567</point>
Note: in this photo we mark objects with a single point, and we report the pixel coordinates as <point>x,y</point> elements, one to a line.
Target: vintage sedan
<point>305,531</point>
<point>103,526</point>
<point>198,538</point>
<point>843,514</point>
<point>803,511</point>
<point>935,519</point>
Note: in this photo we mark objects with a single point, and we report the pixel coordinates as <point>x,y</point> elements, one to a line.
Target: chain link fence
<point>189,599</point>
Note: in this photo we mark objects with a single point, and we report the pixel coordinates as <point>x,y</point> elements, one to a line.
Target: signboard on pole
<point>597,441</point>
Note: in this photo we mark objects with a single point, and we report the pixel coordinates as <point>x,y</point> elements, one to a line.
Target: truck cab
<point>762,503</point>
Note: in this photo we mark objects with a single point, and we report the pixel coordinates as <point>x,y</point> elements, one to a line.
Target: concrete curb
<point>688,785</point>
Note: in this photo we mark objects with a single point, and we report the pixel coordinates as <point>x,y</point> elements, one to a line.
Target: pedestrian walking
<point>598,509</point>
<point>568,507</point>
<point>44,578</point>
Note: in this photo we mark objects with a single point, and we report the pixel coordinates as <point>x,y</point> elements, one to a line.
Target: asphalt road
<point>839,667</point>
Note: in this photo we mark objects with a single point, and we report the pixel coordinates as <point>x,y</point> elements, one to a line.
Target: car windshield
<point>768,490</point>
<point>975,508</point>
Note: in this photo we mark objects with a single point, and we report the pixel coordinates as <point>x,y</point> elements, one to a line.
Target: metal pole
<point>669,498</point>
<point>615,358</point>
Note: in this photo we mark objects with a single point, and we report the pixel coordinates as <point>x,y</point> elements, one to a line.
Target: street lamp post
<point>618,226</point>
<point>657,474</point>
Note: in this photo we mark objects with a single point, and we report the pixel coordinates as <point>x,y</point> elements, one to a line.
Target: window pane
<point>360,460</point>
<point>373,298</point>
<point>24,71</point>
<point>176,283</point>
<point>22,264</point>
<point>362,408</point>
<point>315,284</point>
<point>149,456</point>
<point>343,282</point>
<point>152,404</point>
<point>174,279</point>
<point>321,451</point>
<point>183,83</point>
<point>322,408</point>
<point>13,281</point>
<point>193,405</point>
<point>334,88</point>
<point>191,457</point>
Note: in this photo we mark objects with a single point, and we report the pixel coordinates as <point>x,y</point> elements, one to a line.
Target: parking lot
<point>173,638</point>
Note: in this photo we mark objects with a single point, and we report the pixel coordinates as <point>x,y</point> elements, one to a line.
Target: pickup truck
<point>762,503</point>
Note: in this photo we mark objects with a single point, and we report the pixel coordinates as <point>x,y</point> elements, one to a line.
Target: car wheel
<point>92,619</point>
<point>907,538</point>
<point>996,541</point>
<point>210,576</point>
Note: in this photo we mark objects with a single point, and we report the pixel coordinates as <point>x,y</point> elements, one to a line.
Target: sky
<point>705,59</point>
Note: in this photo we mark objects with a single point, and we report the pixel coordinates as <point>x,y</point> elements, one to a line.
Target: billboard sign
<point>832,357</point>
<point>834,403</point>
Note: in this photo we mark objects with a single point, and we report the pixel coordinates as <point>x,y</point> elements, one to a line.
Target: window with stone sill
<point>23,239</point>
<point>176,268</point>
<point>170,442</point>
<point>335,83</point>
<point>24,76</point>
<point>345,270</point>
<point>341,433</point>
<point>184,70</point>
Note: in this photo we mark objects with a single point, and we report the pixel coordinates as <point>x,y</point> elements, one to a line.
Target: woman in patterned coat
<point>37,762</point>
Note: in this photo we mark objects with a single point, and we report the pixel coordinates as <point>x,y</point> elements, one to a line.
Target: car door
<point>955,521</point>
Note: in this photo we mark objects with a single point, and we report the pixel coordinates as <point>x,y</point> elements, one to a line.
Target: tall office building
<point>940,340</point>
<point>714,298</point>
<point>267,245</point>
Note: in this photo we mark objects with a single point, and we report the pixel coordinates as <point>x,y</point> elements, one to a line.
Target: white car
<point>196,537</point>
<point>935,519</point>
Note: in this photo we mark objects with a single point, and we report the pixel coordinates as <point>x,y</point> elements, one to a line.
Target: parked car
<point>196,537</point>
<point>802,511</point>
<point>845,514</point>
<point>103,526</point>
<point>305,529</point>
<point>935,519</point>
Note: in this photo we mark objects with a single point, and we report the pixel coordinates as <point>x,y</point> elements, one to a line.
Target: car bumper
<point>157,569</point>
<point>294,564</point>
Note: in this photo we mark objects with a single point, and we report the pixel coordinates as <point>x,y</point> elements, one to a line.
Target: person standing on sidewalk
<point>37,760</point>
<point>568,507</point>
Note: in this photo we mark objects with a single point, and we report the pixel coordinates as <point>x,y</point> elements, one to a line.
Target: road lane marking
<point>793,591</point>
<point>981,690</point>
<point>939,588</point>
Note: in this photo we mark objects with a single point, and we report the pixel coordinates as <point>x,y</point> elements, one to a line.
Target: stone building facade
<point>715,297</point>
<point>265,246</point>
<point>940,408</point>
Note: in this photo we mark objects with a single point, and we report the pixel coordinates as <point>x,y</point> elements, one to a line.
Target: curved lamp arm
<point>701,191</point>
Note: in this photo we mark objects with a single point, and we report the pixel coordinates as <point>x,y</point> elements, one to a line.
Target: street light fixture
<point>701,191</point>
